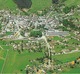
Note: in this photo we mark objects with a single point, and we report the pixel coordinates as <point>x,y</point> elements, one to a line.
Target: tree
<point>22,45</point>
<point>70,24</point>
<point>67,10</point>
<point>23,3</point>
<point>22,32</point>
<point>62,1</point>
<point>55,1</point>
<point>65,22</point>
<point>36,33</point>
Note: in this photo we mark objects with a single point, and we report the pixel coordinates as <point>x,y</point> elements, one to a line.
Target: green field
<point>67,57</point>
<point>7,4</point>
<point>36,5</point>
<point>72,2</point>
<point>56,38</point>
<point>2,58</point>
<point>14,62</point>
<point>40,5</point>
<point>72,71</point>
<point>11,61</point>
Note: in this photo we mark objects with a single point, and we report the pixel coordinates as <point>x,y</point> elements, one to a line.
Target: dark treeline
<point>23,3</point>
<point>55,1</point>
<point>27,3</point>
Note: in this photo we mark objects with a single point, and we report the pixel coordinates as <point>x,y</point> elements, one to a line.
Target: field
<point>2,58</point>
<point>36,5</point>
<point>11,61</point>
<point>7,4</point>
<point>67,57</point>
<point>72,71</point>
<point>14,62</point>
<point>72,2</point>
<point>40,5</point>
<point>64,58</point>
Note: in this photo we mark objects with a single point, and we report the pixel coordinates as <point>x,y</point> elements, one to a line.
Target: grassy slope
<point>2,58</point>
<point>15,61</point>
<point>72,2</point>
<point>7,4</point>
<point>40,5</point>
<point>72,71</point>
<point>67,57</point>
<point>36,5</point>
<point>14,58</point>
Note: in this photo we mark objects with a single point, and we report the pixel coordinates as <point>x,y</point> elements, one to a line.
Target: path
<point>1,47</point>
<point>4,62</point>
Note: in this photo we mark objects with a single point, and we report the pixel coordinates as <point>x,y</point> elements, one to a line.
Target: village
<point>41,34</point>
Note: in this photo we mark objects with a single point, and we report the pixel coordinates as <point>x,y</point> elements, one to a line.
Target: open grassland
<point>40,5</point>
<point>14,62</point>
<point>75,70</point>
<point>2,58</point>
<point>72,2</point>
<point>36,5</point>
<point>67,57</point>
<point>7,4</point>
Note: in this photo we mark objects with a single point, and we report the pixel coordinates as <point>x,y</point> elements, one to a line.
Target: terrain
<point>25,43</point>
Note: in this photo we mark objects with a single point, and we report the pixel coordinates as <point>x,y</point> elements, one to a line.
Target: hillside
<point>7,4</point>
<point>39,36</point>
<point>72,2</point>
<point>36,4</point>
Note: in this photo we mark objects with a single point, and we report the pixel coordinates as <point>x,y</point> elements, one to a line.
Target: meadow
<point>36,5</point>
<point>67,57</point>
<point>13,62</point>
<point>72,2</point>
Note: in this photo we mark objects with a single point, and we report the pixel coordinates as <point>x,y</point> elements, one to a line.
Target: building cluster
<point>20,23</point>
